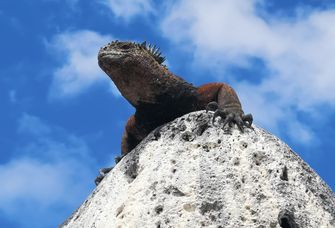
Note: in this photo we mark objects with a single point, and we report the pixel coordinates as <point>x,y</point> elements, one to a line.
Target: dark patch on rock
<point>237,185</point>
<point>322,196</point>
<point>182,127</point>
<point>153,197</point>
<point>236,161</point>
<point>131,167</point>
<point>167,221</point>
<point>260,197</point>
<point>158,209</point>
<point>153,186</point>
<point>207,207</point>
<point>230,176</point>
<point>213,218</point>
<point>286,219</point>
<point>205,147</point>
<point>176,129</point>
<point>132,171</point>
<point>119,210</point>
<point>244,145</point>
<point>174,191</point>
<point>202,127</point>
<point>188,136</point>
<point>284,175</point>
<point>258,157</point>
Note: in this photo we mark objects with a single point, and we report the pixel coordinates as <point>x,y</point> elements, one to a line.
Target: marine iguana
<point>158,95</point>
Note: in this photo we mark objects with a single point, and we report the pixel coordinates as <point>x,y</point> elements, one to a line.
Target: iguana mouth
<point>112,54</point>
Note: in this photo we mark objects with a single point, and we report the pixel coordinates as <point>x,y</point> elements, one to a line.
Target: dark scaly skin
<point>158,95</point>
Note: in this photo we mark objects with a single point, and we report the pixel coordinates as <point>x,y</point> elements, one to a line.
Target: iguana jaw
<point>133,69</point>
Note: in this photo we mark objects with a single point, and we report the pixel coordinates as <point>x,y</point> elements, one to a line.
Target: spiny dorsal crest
<point>154,51</point>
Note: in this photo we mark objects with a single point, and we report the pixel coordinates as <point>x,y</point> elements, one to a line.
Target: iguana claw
<point>247,119</point>
<point>231,117</point>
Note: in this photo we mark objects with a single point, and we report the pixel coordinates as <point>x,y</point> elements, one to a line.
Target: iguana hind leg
<point>133,134</point>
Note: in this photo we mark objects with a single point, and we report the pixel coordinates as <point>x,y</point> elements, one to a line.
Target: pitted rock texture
<point>195,174</point>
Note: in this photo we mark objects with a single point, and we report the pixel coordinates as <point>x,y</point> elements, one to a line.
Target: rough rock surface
<point>194,174</point>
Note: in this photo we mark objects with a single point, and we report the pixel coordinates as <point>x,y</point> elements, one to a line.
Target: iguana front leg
<point>222,99</point>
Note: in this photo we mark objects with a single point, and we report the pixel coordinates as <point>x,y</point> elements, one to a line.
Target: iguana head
<point>133,67</point>
<point>117,51</point>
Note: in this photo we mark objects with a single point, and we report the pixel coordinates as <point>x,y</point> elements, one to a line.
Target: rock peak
<point>195,174</point>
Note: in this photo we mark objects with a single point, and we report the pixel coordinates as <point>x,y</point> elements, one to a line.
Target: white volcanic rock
<point>196,175</point>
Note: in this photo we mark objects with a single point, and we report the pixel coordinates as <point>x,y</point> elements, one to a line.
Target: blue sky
<point>62,118</point>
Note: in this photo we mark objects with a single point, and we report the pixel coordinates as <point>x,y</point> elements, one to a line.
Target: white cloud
<point>80,69</point>
<point>45,184</point>
<point>32,190</point>
<point>298,53</point>
<point>127,9</point>
<point>49,178</point>
<point>32,125</point>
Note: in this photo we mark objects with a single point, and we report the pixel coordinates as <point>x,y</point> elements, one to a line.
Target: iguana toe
<point>247,119</point>
<point>231,117</point>
<point>239,122</point>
